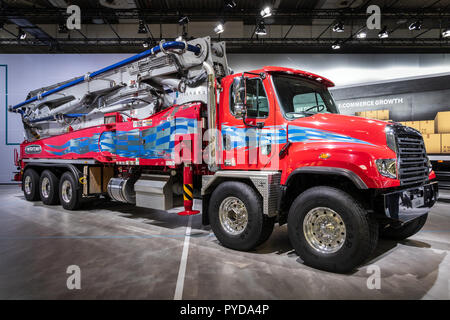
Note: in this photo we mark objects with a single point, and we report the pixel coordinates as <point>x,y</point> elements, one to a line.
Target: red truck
<point>261,147</point>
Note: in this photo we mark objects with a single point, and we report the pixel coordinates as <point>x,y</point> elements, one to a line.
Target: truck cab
<point>339,181</point>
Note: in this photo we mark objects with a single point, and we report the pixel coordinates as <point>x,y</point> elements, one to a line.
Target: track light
<point>336,45</point>
<point>383,34</point>
<point>361,35</point>
<point>142,29</point>
<point>266,12</point>
<point>230,4</point>
<point>183,20</point>
<point>261,29</point>
<point>22,34</point>
<point>338,27</point>
<point>446,33</point>
<point>219,28</point>
<point>416,25</point>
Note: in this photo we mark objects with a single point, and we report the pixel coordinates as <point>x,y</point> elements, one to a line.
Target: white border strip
<point>183,262</point>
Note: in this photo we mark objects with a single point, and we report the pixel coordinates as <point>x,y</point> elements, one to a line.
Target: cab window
<point>307,101</point>
<point>257,102</point>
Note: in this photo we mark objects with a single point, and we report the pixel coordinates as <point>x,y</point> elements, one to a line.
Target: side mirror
<point>239,93</point>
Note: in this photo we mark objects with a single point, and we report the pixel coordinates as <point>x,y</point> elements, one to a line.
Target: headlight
<point>390,139</point>
<point>429,165</point>
<point>387,167</point>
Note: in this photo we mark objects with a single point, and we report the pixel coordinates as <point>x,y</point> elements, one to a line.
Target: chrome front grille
<point>412,157</point>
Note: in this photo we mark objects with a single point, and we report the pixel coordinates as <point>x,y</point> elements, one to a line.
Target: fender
<point>357,181</point>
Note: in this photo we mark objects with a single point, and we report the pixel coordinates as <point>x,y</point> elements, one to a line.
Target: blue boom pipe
<point>69,115</point>
<point>144,54</point>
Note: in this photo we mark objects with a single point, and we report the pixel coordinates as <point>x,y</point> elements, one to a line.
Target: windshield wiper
<point>304,113</point>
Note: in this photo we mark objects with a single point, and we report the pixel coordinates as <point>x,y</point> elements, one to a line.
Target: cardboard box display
<point>383,114</point>
<point>445,143</point>
<point>372,114</point>
<point>442,122</point>
<point>426,127</point>
<point>432,143</point>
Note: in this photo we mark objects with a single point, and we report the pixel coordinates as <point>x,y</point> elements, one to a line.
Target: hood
<point>337,128</point>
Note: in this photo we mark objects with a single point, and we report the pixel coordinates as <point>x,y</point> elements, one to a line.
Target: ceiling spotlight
<point>336,45</point>
<point>261,29</point>
<point>416,25</point>
<point>22,34</point>
<point>383,34</point>
<point>361,35</point>
<point>142,29</point>
<point>266,12</point>
<point>183,20</point>
<point>219,28</point>
<point>338,27</point>
<point>446,33</point>
<point>230,4</point>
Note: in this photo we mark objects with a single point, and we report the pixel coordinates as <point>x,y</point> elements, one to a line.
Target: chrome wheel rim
<point>324,230</point>
<point>27,184</point>
<point>233,215</point>
<point>45,187</point>
<point>66,191</point>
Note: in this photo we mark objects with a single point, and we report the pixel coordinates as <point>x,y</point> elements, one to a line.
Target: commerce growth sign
<point>366,103</point>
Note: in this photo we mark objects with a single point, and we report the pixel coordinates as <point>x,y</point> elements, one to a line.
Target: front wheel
<point>236,216</point>
<point>330,230</point>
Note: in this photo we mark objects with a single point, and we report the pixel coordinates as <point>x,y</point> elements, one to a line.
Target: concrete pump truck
<point>174,123</point>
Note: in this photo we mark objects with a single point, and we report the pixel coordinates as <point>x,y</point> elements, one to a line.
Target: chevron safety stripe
<point>187,191</point>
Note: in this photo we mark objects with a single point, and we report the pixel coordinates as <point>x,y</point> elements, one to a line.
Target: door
<point>246,140</point>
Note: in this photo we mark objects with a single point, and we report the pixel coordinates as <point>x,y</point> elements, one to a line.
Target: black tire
<point>51,196</point>
<point>268,225</point>
<point>404,231</point>
<point>259,227</point>
<point>361,234</point>
<point>73,199</point>
<point>30,185</point>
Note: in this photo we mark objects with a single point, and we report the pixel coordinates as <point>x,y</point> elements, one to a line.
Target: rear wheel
<point>48,187</point>
<point>31,185</point>
<point>236,216</point>
<point>330,230</point>
<point>404,231</point>
<point>69,194</point>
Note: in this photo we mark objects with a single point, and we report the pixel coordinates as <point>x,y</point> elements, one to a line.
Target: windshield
<point>301,98</point>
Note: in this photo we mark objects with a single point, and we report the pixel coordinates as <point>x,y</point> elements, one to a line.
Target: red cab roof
<point>301,73</point>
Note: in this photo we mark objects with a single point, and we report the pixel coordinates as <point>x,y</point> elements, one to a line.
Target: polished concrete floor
<point>129,253</point>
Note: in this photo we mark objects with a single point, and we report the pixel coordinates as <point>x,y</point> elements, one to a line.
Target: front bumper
<point>410,203</point>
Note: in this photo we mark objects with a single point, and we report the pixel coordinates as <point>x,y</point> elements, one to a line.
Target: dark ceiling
<point>30,16</point>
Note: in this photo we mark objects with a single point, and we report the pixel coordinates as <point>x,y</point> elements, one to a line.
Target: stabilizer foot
<point>188,212</point>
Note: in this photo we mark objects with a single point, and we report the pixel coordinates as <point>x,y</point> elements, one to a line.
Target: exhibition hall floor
<point>129,253</point>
